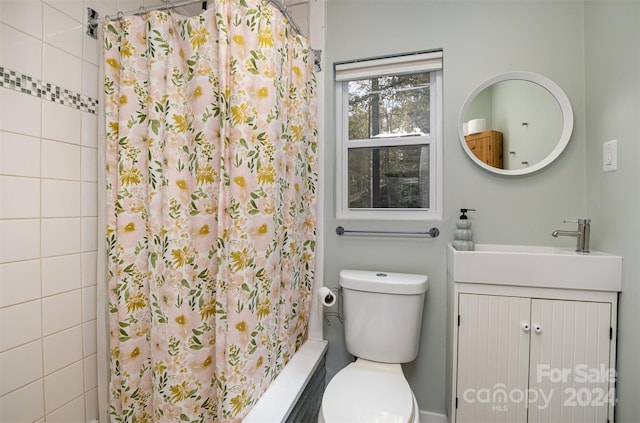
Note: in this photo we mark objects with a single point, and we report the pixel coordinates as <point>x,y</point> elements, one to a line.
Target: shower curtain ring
<point>120,15</point>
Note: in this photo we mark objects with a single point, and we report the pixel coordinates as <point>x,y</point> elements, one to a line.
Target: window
<point>389,132</point>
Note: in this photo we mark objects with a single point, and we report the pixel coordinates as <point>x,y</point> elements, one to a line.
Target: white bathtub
<point>283,393</point>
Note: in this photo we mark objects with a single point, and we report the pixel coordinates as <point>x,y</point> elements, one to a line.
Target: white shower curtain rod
<point>93,19</point>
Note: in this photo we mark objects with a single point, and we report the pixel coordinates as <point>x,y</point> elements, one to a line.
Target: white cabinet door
<point>533,360</point>
<point>493,358</point>
<point>569,375</point>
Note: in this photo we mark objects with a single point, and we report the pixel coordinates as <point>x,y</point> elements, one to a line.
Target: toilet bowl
<point>369,392</point>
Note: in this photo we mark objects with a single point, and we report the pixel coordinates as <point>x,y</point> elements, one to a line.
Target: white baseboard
<point>427,417</point>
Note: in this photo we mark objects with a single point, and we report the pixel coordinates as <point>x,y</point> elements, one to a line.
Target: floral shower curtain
<point>211,196</point>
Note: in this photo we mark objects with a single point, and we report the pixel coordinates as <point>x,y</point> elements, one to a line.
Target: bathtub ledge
<point>283,393</point>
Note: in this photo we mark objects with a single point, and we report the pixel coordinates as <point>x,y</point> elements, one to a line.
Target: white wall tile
<point>89,234</point>
<point>63,32</point>
<point>61,312</point>
<point>29,243</point>
<point>19,113</point>
<point>20,52</point>
<point>63,386</point>
<point>61,123</point>
<point>60,236</point>
<point>107,7</point>
<point>91,404</point>
<point>20,366</point>
<point>152,2</point>
<point>62,349</point>
<point>19,197</point>
<point>19,282</point>
<point>61,274</point>
<point>89,307</point>
<point>73,8</point>
<point>20,324</point>
<point>89,164</point>
<point>90,129</point>
<point>127,5</point>
<point>68,76</point>
<point>90,80</point>
<point>23,15</point>
<point>300,14</point>
<point>20,240</point>
<point>89,338</point>
<point>19,155</point>
<point>89,199</point>
<point>24,405</point>
<point>90,50</point>
<point>90,372</point>
<point>61,198</point>
<point>72,412</point>
<point>60,160</point>
<point>89,266</point>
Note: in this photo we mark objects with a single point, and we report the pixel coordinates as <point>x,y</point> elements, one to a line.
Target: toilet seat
<point>366,391</point>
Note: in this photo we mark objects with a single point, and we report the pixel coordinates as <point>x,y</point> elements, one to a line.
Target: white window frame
<point>413,63</point>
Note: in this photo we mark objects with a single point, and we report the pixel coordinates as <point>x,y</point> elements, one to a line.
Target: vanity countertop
<point>536,266</point>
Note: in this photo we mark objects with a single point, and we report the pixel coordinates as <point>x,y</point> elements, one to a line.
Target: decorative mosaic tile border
<point>28,85</point>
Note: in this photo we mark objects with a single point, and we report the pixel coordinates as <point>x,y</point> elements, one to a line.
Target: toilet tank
<point>383,314</point>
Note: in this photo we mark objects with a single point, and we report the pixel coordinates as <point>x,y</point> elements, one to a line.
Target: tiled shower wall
<point>48,212</point>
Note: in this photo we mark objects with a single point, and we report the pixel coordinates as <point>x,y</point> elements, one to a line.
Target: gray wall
<point>481,39</point>
<point>612,63</point>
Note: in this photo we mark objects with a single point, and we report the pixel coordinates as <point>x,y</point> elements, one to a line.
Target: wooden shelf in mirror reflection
<point>486,146</point>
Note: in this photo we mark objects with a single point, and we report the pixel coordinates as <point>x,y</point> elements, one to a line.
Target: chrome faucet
<point>582,234</point>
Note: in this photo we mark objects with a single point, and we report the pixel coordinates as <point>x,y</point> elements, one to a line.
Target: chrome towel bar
<point>433,232</point>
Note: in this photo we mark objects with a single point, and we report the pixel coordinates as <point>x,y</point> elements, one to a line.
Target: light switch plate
<point>610,156</point>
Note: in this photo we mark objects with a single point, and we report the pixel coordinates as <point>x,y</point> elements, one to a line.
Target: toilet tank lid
<point>384,282</point>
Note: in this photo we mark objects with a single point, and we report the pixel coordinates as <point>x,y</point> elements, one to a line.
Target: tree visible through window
<point>389,133</point>
<point>388,107</point>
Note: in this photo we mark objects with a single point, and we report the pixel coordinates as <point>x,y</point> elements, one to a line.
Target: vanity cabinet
<point>527,354</point>
<point>487,146</point>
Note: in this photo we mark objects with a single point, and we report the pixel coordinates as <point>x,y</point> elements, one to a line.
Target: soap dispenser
<point>462,236</point>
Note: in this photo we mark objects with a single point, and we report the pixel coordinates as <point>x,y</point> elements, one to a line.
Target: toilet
<point>382,320</point>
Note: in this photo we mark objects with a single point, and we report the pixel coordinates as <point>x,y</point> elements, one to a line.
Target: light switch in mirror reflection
<point>528,119</point>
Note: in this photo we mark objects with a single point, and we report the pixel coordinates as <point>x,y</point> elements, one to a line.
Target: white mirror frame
<point>554,89</point>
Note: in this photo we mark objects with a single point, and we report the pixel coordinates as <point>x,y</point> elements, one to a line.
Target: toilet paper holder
<point>338,314</point>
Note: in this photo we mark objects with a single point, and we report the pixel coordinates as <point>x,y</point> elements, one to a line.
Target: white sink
<point>536,266</point>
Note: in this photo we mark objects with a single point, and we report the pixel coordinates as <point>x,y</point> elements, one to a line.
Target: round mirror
<point>515,123</point>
